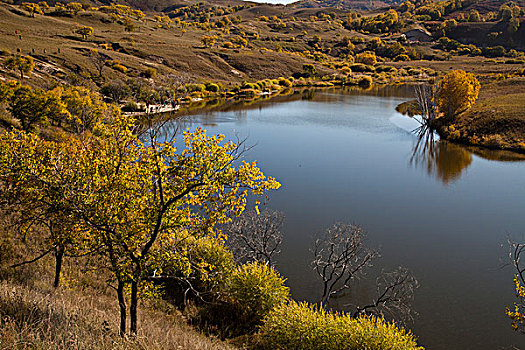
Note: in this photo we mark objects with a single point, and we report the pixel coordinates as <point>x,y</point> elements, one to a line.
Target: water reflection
<point>448,161</point>
<point>443,160</point>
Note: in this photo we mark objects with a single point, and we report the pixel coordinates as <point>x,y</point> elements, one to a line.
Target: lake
<point>348,156</point>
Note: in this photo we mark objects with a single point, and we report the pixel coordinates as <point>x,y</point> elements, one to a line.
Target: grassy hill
<point>345,4</point>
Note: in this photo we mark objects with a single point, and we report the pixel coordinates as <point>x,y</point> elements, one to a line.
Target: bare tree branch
<point>395,292</point>
<point>340,257</point>
<point>255,237</point>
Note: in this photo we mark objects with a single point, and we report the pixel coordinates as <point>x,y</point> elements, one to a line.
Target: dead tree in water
<point>395,292</point>
<point>340,257</point>
<point>426,97</point>
<point>255,237</point>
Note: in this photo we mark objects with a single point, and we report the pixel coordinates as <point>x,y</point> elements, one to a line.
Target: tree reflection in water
<point>444,160</point>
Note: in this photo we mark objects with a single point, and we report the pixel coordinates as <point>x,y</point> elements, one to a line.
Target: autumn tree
<point>32,8</point>
<point>39,216</point>
<point>133,198</point>
<point>116,90</point>
<point>99,60</point>
<point>34,107</point>
<point>83,31</point>
<point>458,92</point>
<point>22,64</point>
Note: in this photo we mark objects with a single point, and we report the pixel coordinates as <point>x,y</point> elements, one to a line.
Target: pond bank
<point>496,121</point>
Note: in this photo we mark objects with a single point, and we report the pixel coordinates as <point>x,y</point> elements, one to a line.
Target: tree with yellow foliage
<point>23,64</point>
<point>458,92</point>
<point>83,31</point>
<point>132,200</point>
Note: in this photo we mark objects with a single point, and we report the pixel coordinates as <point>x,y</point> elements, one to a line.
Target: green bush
<point>258,288</point>
<point>303,326</point>
<point>251,292</point>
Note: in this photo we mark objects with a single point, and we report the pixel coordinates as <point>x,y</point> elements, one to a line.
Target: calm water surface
<point>348,156</point>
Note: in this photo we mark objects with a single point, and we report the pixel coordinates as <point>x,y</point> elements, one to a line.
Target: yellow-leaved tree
<point>458,92</point>
<point>129,198</point>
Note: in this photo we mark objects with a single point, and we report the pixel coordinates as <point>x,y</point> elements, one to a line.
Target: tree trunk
<point>133,307</point>
<point>122,306</point>
<point>59,256</point>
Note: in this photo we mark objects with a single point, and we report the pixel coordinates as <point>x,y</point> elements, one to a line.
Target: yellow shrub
<point>303,326</point>
<point>368,58</point>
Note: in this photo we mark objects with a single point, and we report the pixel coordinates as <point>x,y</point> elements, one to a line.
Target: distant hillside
<point>346,4</point>
<point>148,5</point>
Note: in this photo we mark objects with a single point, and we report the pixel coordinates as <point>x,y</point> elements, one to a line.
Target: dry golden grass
<point>82,313</point>
<point>497,119</point>
<point>43,318</point>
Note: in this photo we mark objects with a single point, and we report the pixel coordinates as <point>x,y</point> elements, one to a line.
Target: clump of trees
<point>32,8</point>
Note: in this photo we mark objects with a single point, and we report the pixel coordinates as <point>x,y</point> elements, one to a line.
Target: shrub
<point>119,67</point>
<point>131,106</point>
<point>401,58</point>
<point>258,288</point>
<point>212,87</point>
<point>303,326</point>
<point>284,82</point>
<point>360,67</point>
<point>247,85</point>
<point>365,81</point>
<point>150,72</point>
<point>346,70</point>
<point>309,70</point>
<point>384,68</point>
<point>497,51</point>
<point>195,87</point>
<point>368,58</point>
<point>252,291</point>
